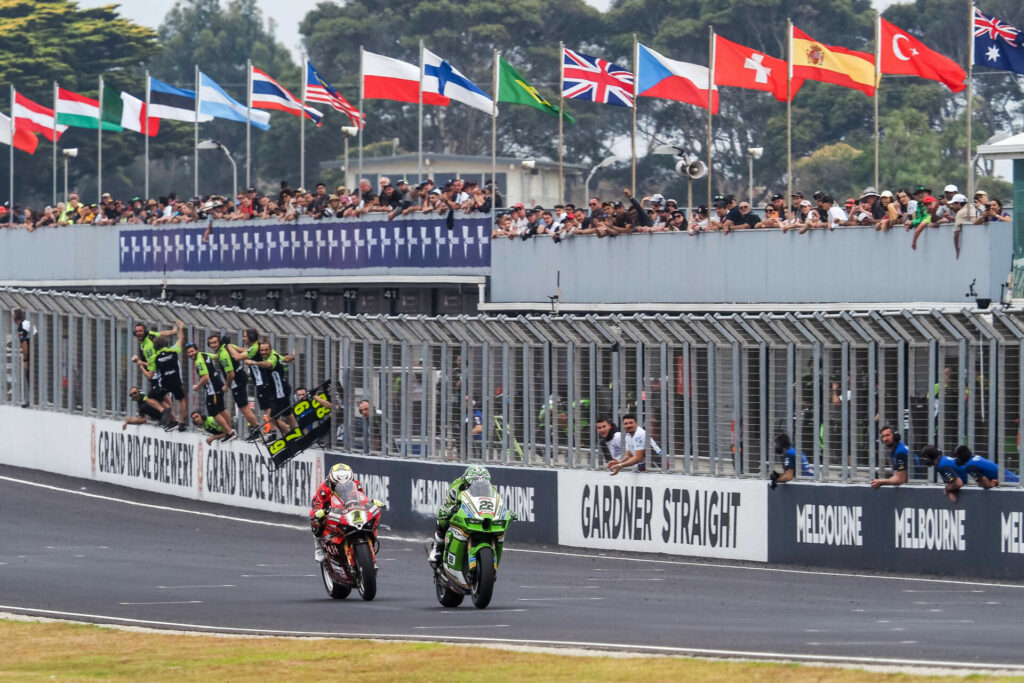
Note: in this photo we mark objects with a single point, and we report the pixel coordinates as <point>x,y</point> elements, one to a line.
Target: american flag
<point>319,90</point>
<point>596,80</point>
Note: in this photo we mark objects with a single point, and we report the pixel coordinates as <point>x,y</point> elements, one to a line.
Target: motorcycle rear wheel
<point>483,585</point>
<point>445,595</point>
<point>366,578</point>
<point>334,589</point>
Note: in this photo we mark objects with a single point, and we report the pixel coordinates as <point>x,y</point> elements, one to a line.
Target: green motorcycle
<point>472,547</point>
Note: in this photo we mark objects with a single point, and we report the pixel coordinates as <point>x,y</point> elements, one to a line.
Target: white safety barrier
<point>145,457</point>
<point>677,515</point>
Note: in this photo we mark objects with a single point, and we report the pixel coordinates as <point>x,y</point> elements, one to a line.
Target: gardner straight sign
<point>695,516</point>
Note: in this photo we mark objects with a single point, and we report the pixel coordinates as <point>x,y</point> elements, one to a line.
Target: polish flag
<point>385,78</point>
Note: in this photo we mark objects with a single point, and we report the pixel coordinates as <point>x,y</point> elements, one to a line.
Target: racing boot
<point>318,553</point>
<point>434,556</point>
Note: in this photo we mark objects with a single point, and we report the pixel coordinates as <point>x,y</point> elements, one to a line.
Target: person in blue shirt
<point>985,472</point>
<point>899,457</point>
<point>784,447</point>
<point>953,475</point>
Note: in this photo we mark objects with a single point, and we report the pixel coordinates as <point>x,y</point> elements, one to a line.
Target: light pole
<point>217,144</point>
<point>604,162</point>
<point>69,153</point>
<point>348,132</point>
<point>752,153</point>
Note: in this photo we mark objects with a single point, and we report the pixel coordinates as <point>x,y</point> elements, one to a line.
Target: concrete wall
<point>762,266</point>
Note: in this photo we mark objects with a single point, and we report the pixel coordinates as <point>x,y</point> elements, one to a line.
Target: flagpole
<point>10,180</point>
<point>711,68</point>
<point>561,105</point>
<point>145,132</point>
<point>361,124</point>
<point>55,145</point>
<point>970,100</point>
<point>419,147</point>
<point>494,141</point>
<point>636,77</point>
<point>99,152</point>
<point>195,142</point>
<point>789,108</point>
<point>248,123</point>
<point>302,125</point>
<point>878,84</point>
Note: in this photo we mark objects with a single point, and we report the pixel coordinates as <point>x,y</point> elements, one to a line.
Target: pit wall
<point>913,529</point>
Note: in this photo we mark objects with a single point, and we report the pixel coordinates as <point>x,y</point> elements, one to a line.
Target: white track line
<point>649,649</point>
<point>555,553</point>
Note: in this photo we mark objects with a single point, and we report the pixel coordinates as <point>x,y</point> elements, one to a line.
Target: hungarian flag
<point>739,66</point>
<point>23,139</point>
<point>816,61</point>
<point>82,112</point>
<point>513,88</point>
<point>35,118</point>
<point>904,54</point>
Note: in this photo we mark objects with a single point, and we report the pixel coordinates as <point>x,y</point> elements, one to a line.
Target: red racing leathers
<point>322,501</point>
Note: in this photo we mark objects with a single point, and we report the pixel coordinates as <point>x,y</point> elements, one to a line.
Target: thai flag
<point>319,90</point>
<point>589,78</point>
<point>268,94</point>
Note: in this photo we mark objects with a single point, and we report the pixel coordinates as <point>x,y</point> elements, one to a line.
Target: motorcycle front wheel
<point>334,589</point>
<point>483,585</point>
<point>366,579</point>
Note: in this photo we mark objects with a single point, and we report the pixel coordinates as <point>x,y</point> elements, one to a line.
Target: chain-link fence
<point>712,391</point>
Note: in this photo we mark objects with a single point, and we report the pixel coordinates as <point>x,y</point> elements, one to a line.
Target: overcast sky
<point>286,14</point>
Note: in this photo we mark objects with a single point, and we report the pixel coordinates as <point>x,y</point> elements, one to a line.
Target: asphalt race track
<point>97,558</point>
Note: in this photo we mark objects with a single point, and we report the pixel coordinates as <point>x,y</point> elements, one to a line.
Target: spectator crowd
<point>394,199</point>
<point>911,210</point>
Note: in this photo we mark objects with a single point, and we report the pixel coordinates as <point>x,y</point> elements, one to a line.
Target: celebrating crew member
<point>985,472</point>
<point>236,380</point>
<point>784,447</point>
<point>451,504</point>
<point>635,447</point>
<point>146,339</point>
<point>168,371</point>
<point>148,408</point>
<point>899,456</point>
<point>211,379</point>
<point>272,368</point>
<point>338,475</point>
<point>612,438</point>
<point>209,425</point>
<point>951,472</point>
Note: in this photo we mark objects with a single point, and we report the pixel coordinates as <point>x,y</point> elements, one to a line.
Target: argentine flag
<point>217,103</point>
<point>444,79</point>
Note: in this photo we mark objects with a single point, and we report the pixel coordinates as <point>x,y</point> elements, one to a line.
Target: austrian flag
<point>597,80</point>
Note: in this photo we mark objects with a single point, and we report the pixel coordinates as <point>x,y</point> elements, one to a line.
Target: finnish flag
<point>444,79</point>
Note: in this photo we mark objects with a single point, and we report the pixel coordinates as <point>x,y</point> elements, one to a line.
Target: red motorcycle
<point>350,543</point>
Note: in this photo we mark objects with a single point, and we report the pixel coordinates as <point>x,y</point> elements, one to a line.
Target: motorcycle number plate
<point>451,559</point>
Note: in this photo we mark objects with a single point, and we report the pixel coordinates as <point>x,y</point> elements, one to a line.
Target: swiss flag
<point>742,67</point>
<point>904,54</point>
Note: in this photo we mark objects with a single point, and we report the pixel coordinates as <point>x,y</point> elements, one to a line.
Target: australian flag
<point>589,78</point>
<point>997,44</point>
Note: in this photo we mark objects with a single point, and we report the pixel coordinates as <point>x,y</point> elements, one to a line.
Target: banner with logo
<point>414,491</point>
<point>401,243</point>
<point>657,513</point>
<point>910,529</point>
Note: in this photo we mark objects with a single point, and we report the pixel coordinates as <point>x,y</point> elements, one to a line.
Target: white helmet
<point>340,473</point>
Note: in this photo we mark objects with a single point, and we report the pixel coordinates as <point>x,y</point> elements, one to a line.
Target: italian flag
<point>80,111</point>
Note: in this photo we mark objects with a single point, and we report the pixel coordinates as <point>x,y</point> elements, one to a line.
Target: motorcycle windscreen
<point>347,493</point>
<point>480,488</point>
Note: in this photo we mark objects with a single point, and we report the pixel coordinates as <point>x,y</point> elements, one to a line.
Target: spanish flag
<point>815,61</point>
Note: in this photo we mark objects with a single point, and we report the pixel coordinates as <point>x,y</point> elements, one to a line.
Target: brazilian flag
<point>512,87</point>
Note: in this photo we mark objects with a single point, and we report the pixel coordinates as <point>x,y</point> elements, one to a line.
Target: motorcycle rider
<point>450,505</point>
<point>337,475</point>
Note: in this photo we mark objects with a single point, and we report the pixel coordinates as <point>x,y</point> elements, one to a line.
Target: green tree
<point>42,41</point>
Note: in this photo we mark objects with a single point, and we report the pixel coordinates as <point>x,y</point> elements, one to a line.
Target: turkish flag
<point>904,54</point>
<point>743,67</point>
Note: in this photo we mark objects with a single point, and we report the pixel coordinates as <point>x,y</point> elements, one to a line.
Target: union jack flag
<point>319,90</point>
<point>589,78</point>
<point>997,44</point>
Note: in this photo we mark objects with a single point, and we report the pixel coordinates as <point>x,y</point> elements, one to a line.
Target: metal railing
<point>711,390</point>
